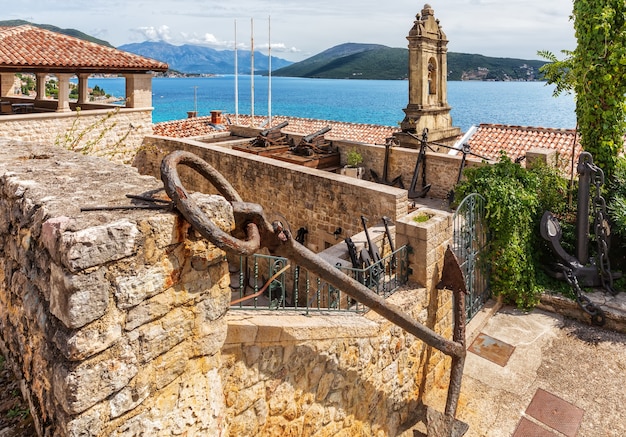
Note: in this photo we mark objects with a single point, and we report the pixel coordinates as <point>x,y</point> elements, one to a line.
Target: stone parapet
<point>428,232</point>
<point>319,200</point>
<point>113,133</point>
<point>112,319</point>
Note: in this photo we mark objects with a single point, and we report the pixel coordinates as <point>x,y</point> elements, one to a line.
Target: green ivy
<point>596,72</point>
<point>515,199</point>
<point>617,201</point>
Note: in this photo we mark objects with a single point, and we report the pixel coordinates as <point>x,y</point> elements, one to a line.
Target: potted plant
<point>353,166</point>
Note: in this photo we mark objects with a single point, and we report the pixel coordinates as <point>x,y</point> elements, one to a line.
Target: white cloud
<point>151,33</point>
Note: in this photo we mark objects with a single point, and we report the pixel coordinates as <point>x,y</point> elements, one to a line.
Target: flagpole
<point>236,79</point>
<point>252,71</point>
<point>269,84</point>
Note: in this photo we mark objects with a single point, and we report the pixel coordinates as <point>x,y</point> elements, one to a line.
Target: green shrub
<point>515,200</point>
<point>617,200</point>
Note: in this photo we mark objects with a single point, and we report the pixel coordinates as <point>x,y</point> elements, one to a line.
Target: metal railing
<point>265,282</point>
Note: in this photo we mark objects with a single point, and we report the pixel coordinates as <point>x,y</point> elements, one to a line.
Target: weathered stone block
<point>98,245</point>
<point>78,387</point>
<point>162,335</point>
<point>132,290</point>
<point>130,396</point>
<point>78,299</point>
<point>81,344</point>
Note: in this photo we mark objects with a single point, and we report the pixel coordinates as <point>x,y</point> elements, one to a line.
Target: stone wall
<point>114,133</point>
<point>428,232</point>
<point>117,321</point>
<point>112,320</point>
<point>331,375</point>
<point>441,169</point>
<point>318,200</point>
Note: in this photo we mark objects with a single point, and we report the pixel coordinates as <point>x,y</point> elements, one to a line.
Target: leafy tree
<point>596,72</point>
<point>97,91</point>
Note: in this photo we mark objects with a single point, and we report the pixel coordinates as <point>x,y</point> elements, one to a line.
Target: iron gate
<point>469,241</point>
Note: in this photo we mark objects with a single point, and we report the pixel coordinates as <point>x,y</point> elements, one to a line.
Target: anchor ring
<point>193,214</point>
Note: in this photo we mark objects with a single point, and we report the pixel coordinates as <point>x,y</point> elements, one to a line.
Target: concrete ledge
<point>248,327</point>
<point>614,308</point>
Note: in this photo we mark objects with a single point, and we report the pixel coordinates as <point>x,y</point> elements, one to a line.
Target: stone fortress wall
<point>117,321</point>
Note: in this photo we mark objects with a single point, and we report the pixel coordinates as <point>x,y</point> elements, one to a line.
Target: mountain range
<point>344,61</point>
<point>195,59</point>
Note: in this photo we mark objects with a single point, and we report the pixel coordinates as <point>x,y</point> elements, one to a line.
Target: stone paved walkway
<point>561,378</point>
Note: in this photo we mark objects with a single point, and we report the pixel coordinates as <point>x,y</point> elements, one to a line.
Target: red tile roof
<point>363,133</point>
<point>515,141</point>
<point>29,48</point>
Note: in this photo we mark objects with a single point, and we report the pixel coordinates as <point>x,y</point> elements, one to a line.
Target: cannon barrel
<point>314,135</point>
<point>266,132</point>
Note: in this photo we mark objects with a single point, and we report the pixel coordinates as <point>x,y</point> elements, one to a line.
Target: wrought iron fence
<point>269,282</point>
<point>469,242</point>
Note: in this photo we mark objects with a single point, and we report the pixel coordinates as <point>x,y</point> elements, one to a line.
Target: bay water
<point>357,101</point>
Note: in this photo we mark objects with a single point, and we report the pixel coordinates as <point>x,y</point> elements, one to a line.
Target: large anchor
<point>258,232</point>
<point>397,181</point>
<point>580,270</point>
<point>421,163</point>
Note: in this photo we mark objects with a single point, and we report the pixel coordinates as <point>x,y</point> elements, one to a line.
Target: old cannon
<point>313,143</point>
<point>271,136</point>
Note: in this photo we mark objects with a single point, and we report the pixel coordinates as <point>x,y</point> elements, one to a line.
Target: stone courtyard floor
<point>540,374</point>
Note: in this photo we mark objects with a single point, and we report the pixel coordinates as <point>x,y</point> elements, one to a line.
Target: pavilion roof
<point>32,49</point>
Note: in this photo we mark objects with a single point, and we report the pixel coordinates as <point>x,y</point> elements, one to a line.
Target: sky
<point>299,29</point>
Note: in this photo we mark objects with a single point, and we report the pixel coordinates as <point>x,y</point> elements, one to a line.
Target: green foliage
<point>353,158</point>
<point>596,72</point>
<point>52,89</point>
<point>18,412</point>
<point>28,84</point>
<point>97,91</point>
<point>88,139</point>
<point>617,201</point>
<point>422,217</point>
<point>515,199</point>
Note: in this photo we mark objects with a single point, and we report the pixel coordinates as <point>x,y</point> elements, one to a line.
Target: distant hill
<point>352,61</point>
<point>374,61</point>
<point>199,59</point>
<point>70,32</point>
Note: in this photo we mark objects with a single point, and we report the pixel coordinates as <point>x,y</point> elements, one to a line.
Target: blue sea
<point>358,101</point>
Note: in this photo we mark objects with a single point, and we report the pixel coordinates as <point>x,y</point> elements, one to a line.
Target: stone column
<point>138,90</point>
<point>40,86</point>
<point>7,84</point>
<point>83,88</point>
<point>64,90</point>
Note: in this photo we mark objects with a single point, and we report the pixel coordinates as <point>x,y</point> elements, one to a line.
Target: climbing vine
<point>515,199</point>
<point>596,72</point>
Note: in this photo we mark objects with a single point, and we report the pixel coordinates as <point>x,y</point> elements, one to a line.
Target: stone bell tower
<point>428,87</point>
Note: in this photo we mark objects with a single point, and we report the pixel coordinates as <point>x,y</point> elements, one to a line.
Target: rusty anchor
<point>258,232</point>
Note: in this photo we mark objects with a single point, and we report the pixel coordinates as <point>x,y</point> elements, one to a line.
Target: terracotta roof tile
<point>515,141</point>
<point>29,48</point>
<point>363,133</point>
